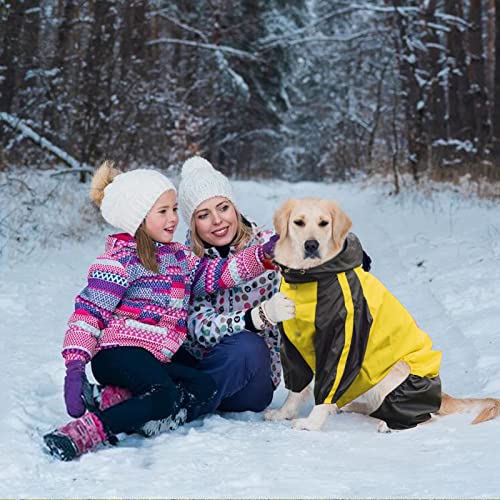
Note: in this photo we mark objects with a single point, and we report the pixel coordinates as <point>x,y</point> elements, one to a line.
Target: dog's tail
<point>489,408</point>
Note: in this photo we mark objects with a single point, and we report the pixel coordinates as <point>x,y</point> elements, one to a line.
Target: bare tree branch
<point>209,46</point>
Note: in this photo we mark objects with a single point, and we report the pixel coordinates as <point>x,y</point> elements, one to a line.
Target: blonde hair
<point>146,249</point>
<point>242,237</point>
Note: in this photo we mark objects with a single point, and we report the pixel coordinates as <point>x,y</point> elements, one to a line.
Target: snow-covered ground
<point>440,256</point>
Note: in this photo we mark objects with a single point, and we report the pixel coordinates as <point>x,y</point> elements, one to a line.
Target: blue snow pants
<point>240,366</point>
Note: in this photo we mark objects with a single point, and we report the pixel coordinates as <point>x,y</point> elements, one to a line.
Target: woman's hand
<point>270,312</point>
<point>270,245</point>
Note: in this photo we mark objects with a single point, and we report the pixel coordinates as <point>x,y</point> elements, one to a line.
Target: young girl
<point>131,317</point>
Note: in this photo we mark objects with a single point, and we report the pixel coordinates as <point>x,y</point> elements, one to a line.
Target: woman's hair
<point>146,249</point>
<point>242,237</point>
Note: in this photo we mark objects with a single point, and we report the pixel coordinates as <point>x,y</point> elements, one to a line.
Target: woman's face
<point>216,221</point>
<point>162,219</point>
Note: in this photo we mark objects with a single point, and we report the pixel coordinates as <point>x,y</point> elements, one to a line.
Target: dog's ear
<point>281,218</point>
<point>341,223</point>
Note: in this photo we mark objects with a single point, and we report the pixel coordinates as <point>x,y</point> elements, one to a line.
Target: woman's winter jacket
<point>213,316</point>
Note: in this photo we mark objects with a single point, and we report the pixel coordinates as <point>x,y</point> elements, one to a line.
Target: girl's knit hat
<point>200,182</point>
<point>126,198</point>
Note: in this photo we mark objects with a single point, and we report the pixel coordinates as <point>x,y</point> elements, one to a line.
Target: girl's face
<point>216,221</point>
<point>162,219</point>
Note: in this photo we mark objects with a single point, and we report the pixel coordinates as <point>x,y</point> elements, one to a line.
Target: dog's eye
<point>299,223</point>
<point>323,223</point>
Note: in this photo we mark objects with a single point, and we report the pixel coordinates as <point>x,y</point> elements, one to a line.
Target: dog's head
<point>312,231</point>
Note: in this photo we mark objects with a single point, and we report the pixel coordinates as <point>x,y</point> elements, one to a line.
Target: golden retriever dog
<point>350,335</point>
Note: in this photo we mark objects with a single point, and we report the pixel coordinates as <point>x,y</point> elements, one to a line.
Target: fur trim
<point>103,176</point>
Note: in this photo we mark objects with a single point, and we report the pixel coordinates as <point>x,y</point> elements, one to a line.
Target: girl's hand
<point>74,383</point>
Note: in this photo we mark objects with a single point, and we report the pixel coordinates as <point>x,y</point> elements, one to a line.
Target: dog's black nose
<point>311,246</point>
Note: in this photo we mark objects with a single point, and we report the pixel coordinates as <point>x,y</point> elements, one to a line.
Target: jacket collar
<point>350,257</point>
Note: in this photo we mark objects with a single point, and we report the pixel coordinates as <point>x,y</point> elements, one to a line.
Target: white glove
<point>278,308</point>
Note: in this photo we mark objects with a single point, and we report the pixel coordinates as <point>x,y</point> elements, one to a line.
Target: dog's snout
<point>311,246</point>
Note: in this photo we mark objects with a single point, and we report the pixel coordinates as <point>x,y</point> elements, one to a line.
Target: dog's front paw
<point>306,424</point>
<point>383,427</point>
<point>277,415</point>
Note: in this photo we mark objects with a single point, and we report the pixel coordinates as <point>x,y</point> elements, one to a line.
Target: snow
<point>438,254</point>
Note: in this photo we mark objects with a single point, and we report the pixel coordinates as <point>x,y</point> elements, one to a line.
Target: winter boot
<point>77,437</point>
<point>156,427</point>
<point>98,398</point>
<point>112,395</point>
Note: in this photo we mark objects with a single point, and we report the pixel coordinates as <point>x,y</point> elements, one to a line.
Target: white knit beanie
<point>200,182</point>
<point>130,196</point>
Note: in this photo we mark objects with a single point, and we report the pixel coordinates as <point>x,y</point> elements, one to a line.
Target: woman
<point>232,335</point>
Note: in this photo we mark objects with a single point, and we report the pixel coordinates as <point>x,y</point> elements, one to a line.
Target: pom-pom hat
<point>130,196</point>
<point>200,182</point>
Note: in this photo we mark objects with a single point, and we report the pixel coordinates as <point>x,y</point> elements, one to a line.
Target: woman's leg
<point>241,368</point>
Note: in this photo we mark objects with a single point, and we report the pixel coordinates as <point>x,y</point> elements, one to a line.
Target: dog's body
<point>363,349</point>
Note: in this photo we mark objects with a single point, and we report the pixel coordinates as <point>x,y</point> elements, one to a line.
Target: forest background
<point>295,89</point>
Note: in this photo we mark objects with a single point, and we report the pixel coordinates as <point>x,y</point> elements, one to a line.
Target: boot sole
<point>61,447</point>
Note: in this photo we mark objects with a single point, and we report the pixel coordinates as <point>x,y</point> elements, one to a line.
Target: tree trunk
<point>10,55</point>
<point>496,112</point>
<point>435,96</point>
<point>477,79</point>
<point>97,80</point>
<point>408,64</point>
<point>133,38</point>
<point>490,64</point>
<point>458,122</point>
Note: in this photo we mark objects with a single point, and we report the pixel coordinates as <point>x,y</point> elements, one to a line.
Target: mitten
<point>269,246</point>
<point>73,388</point>
<point>278,308</point>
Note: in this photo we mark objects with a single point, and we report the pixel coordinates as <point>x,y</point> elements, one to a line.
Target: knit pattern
<point>214,316</point>
<point>125,304</point>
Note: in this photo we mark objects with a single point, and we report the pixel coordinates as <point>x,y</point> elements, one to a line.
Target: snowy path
<point>441,258</point>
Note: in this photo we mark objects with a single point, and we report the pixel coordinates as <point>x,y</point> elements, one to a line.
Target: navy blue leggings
<point>159,389</point>
<point>240,365</point>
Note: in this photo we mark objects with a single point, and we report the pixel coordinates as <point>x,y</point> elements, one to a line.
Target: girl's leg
<point>241,368</point>
<point>198,389</point>
<point>155,395</point>
<point>197,392</point>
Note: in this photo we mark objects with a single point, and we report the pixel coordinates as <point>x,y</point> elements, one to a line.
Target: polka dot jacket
<point>213,316</point>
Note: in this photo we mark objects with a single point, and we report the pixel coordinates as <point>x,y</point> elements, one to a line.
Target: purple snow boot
<point>76,438</point>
